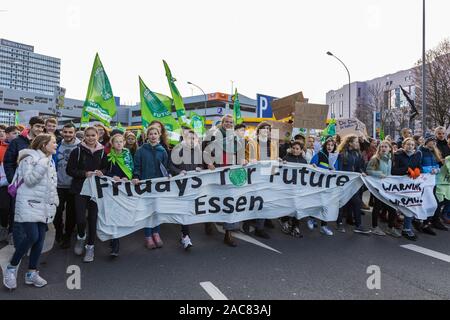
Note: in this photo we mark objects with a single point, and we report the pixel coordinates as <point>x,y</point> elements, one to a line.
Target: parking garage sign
<point>264,106</point>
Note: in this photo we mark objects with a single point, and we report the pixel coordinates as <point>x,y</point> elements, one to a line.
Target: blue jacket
<point>351,161</point>
<point>11,155</point>
<point>429,161</point>
<point>321,159</point>
<point>148,160</point>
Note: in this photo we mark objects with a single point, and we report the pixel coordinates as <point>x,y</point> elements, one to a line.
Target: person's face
<point>12,135</point>
<point>310,143</point>
<point>394,148</point>
<point>2,135</point>
<point>240,132</point>
<point>431,144</point>
<point>421,141</point>
<point>373,143</point>
<point>296,150</point>
<point>118,144</point>
<point>384,148</point>
<point>228,123</point>
<point>101,132</point>
<point>68,134</point>
<point>37,129</point>
<point>354,144</point>
<point>409,146</point>
<point>153,136</point>
<point>407,134</point>
<point>330,146</point>
<point>264,131</point>
<point>50,148</point>
<point>440,135</point>
<point>190,139</point>
<point>131,140</point>
<point>50,127</point>
<point>90,137</point>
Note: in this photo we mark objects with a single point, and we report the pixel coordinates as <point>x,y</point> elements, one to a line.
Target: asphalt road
<point>314,267</point>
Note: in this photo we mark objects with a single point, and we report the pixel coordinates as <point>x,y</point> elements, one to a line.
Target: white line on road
<point>427,252</point>
<point>247,238</point>
<point>213,291</point>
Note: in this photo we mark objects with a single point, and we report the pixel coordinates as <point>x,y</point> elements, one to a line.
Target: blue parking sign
<point>264,106</point>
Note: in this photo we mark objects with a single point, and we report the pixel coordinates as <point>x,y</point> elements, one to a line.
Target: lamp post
<point>424,90</point>
<point>206,97</point>
<point>349,82</point>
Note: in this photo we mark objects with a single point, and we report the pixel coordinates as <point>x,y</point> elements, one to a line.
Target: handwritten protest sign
<point>345,127</point>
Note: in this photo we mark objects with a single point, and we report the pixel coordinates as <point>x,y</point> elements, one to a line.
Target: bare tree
<point>437,85</point>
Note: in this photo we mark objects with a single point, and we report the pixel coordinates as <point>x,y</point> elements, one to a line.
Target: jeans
<point>29,235</point>
<point>67,202</point>
<point>353,205</point>
<point>83,203</point>
<point>231,226</point>
<point>148,232</point>
<point>407,224</point>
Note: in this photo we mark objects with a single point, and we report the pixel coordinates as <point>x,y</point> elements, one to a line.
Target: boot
<point>228,239</point>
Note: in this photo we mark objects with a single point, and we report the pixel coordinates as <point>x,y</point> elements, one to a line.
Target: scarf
<point>123,160</point>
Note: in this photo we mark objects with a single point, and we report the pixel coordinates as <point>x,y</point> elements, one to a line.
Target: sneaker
<point>377,231</point>
<point>246,227</point>
<point>310,224</point>
<point>10,278</point>
<point>158,242</point>
<point>361,230</point>
<point>269,224</point>
<point>340,227</point>
<point>409,234</point>
<point>262,234</point>
<point>3,234</point>
<point>326,231</point>
<point>286,227</point>
<point>437,224</point>
<point>35,279</point>
<point>79,246</point>
<point>114,248</point>
<point>393,232</point>
<point>427,230</point>
<point>186,242</point>
<point>149,243</point>
<point>296,233</point>
<point>89,255</point>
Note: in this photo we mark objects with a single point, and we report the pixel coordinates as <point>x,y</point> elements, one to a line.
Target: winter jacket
<point>384,166</point>
<point>295,159</point>
<point>309,154</point>
<point>12,154</point>
<point>253,151</point>
<point>429,161</point>
<point>402,162</point>
<point>443,182</point>
<point>61,159</point>
<point>443,147</point>
<point>148,161</point>
<point>193,161</point>
<point>3,147</point>
<point>351,161</point>
<point>82,160</point>
<point>322,160</point>
<point>37,197</point>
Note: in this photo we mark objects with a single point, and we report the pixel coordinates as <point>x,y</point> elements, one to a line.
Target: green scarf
<point>123,160</point>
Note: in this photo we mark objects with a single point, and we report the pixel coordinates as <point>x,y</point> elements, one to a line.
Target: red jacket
<point>3,147</point>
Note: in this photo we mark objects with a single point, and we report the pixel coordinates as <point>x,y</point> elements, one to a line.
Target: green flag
<point>197,124</point>
<point>16,119</point>
<point>120,127</point>
<point>237,116</point>
<point>382,134</point>
<point>177,99</point>
<point>152,108</point>
<point>84,118</point>
<point>100,102</point>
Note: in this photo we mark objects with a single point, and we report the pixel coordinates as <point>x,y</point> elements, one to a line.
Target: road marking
<point>428,252</point>
<point>213,291</point>
<point>247,238</point>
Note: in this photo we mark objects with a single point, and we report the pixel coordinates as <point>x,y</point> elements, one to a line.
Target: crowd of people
<point>42,171</point>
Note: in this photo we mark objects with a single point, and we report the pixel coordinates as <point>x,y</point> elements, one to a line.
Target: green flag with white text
<point>237,116</point>
<point>177,99</point>
<point>152,108</point>
<point>100,102</point>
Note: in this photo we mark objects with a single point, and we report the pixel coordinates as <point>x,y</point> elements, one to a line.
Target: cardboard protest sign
<point>284,107</point>
<point>345,127</point>
<point>310,116</point>
<point>284,130</point>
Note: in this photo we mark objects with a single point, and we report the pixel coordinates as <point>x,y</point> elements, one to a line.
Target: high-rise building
<point>23,69</point>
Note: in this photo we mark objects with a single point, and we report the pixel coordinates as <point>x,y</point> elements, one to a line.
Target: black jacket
<point>351,161</point>
<point>11,155</point>
<point>295,159</point>
<point>443,148</point>
<point>402,162</point>
<point>81,160</point>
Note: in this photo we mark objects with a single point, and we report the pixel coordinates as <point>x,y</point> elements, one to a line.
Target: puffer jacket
<point>382,168</point>
<point>37,197</point>
<point>429,162</point>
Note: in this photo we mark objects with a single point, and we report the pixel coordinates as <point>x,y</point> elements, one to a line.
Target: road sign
<point>264,106</point>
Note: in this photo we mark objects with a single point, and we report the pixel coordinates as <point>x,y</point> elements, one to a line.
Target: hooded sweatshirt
<point>61,159</point>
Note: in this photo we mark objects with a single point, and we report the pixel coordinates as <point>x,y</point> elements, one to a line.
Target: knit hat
<point>429,137</point>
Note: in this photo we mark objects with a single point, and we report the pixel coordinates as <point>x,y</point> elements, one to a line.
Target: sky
<point>259,46</point>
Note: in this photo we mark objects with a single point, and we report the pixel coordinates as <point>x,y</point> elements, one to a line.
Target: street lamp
<point>349,82</point>
<point>424,90</point>
<point>206,97</point>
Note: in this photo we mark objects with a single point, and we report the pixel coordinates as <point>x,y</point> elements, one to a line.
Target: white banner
<point>263,190</point>
<point>412,197</point>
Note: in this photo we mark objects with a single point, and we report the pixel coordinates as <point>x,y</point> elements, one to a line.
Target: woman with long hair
<point>131,142</point>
